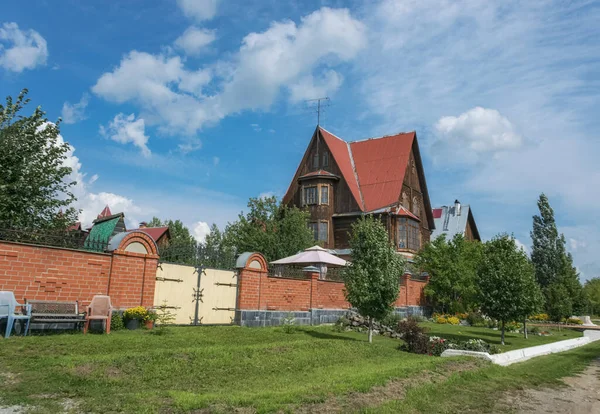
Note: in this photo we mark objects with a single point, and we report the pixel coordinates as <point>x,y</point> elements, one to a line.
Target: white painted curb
<point>520,355</point>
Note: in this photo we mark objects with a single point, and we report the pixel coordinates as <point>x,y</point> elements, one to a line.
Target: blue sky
<point>185,109</point>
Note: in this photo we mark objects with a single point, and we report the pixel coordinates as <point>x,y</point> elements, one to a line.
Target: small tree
<point>182,247</point>
<point>532,299</point>
<point>372,278</point>
<point>35,189</point>
<point>592,295</point>
<point>560,305</point>
<point>506,281</point>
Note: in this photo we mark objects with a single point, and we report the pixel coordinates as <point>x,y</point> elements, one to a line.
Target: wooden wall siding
<point>470,230</point>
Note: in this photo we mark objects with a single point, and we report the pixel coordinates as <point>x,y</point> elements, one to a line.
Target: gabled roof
<point>452,221</point>
<point>105,213</point>
<point>155,232</point>
<point>319,173</point>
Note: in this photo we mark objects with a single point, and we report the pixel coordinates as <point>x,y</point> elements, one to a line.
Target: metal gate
<point>196,295</point>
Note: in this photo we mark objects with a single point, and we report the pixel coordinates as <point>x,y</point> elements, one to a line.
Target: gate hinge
<point>166,279</point>
<point>226,284</point>
<point>225,309</point>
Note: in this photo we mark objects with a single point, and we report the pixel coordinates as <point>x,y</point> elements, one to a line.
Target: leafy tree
<point>35,190</point>
<point>506,281</point>
<point>273,229</point>
<point>549,256</point>
<point>182,247</point>
<point>217,252</point>
<point>559,303</point>
<point>373,276</point>
<point>592,294</point>
<point>452,266</point>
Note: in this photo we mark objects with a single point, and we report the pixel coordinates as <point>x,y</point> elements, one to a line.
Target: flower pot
<point>132,324</point>
<point>149,324</point>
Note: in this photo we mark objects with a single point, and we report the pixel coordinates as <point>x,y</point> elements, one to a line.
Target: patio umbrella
<point>312,255</point>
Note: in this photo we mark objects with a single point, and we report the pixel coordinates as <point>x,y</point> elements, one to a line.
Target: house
<point>103,228</point>
<point>160,235</point>
<point>456,219</point>
<point>340,181</point>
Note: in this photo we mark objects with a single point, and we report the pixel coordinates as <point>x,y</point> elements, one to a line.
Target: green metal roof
<point>100,234</point>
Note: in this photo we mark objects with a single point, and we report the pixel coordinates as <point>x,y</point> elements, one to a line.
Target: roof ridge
<point>362,199</point>
<point>383,136</point>
<point>333,135</point>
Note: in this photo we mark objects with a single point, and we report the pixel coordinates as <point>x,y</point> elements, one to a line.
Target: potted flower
<point>150,319</point>
<point>133,317</point>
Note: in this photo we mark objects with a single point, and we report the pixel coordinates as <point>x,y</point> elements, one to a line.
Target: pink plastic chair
<point>99,309</point>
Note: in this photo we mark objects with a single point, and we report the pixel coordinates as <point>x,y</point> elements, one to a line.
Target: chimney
<point>456,208</point>
<point>143,225</point>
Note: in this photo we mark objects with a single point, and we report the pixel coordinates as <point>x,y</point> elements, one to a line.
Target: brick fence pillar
<point>406,279</point>
<point>313,273</point>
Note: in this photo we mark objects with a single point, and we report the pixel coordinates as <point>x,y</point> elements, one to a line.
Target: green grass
<point>511,340</point>
<point>482,390</point>
<point>192,368</point>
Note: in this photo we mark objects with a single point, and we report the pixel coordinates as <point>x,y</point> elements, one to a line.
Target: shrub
<point>542,317</point>
<point>139,312</point>
<point>414,336</point>
<point>453,320</point>
<point>391,320</point>
<point>512,326</point>
<point>341,324</point>
<point>438,345</point>
<point>492,323</point>
<point>535,330</point>
<point>441,320</point>
<point>574,321</point>
<point>116,322</point>
<point>475,319</point>
<point>288,323</point>
<point>462,316</point>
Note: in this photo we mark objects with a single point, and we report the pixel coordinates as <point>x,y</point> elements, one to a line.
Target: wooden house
<point>453,220</point>
<point>338,181</point>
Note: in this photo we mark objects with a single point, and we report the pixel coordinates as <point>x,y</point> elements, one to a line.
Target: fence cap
<point>242,260</point>
<point>312,269</point>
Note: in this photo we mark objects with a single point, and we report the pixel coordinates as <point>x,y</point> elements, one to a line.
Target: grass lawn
<point>217,368</point>
<point>512,340</point>
<point>193,368</point>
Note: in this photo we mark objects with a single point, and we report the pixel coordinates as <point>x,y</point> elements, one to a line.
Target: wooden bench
<point>48,314</point>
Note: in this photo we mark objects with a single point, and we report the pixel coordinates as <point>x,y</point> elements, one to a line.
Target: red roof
<point>105,213</point>
<point>374,169</point>
<point>437,213</point>
<point>154,232</point>
<point>403,212</point>
<point>319,173</point>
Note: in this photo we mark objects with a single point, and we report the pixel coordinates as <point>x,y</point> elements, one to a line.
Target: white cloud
<point>522,246</point>
<point>174,97</point>
<point>201,230</point>
<point>473,133</point>
<point>256,127</point>
<point>72,113</point>
<point>191,145</point>
<point>127,129</point>
<point>577,244</point>
<point>194,40</point>
<point>21,49</point>
<point>310,88</point>
<point>216,161</point>
<point>199,10</point>
<point>266,194</point>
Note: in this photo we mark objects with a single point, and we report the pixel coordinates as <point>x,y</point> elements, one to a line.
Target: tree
<point>452,266</point>
<point>553,264</point>
<point>506,281</point>
<point>182,247</point>
<point>592,294</point>
<point>35,189</point>
<point>559,304</point>
<point>273,229</point>
<point>373,276</point>
<point>217,252</point>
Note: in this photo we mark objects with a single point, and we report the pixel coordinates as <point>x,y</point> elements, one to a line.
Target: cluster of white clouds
<point>21,49</point>
<point>126,129</point>
<point>72,113</point>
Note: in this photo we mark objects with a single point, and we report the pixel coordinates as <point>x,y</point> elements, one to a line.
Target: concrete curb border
<point>520,355</point>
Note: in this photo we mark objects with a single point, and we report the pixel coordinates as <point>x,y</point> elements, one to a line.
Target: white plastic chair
<point>8,310</point>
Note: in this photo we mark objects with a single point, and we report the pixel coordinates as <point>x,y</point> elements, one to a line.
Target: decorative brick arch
<point>141,238</point>
<point>252,261</point>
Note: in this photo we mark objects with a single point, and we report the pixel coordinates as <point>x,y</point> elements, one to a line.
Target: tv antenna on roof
<point>321,104</point>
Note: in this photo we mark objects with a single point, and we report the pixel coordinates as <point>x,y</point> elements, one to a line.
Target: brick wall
<point>49,273</point>
<point>258,291</point>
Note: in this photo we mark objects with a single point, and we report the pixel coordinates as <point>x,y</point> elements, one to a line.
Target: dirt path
<point>582,395</point>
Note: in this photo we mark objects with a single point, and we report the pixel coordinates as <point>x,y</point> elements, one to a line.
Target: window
<point>409,234</point>
<point>320,230</point>
<point>314,227</point>
<point>325,159</point>
<point>316,160</point>
<point>323,231</point>
<point>310,195</point>
<point>324,194</point>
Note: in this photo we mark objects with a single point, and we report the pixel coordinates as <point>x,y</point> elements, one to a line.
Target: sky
<point>184,109</point>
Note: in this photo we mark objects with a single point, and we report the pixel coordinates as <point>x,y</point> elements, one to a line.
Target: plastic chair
<point>99,309</point>
<point>8,311</point>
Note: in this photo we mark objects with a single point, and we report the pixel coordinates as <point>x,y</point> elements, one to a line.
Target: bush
<point>476,319</point>
<point>478,345</point>
<point>414,336</point>
<point>438,345</point>
<point>453,320</point>
<point>574,321</point>
<point>491,323</point>
<point>541,317</point>
<point>288,323</point>
<point>512,326</point>
<point>441,320</point>
<point>462,316</point>
<point>116,322</point>
<point>535,330</point>
<point>139,312</point>
<point>341,324</point>
<point>391,320</point>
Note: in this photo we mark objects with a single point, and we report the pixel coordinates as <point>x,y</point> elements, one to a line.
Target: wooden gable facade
<point>338,182</point>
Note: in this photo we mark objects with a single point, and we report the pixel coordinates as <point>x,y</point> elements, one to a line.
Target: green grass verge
<point>511,340</point>
<point>483,390</point>
<point>193,368</point>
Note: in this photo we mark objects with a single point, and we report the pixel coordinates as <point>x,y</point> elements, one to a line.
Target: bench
<point>48,314</point>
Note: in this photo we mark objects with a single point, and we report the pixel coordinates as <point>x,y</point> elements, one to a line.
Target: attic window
<point>316,160</point>
<point>325,159</point>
